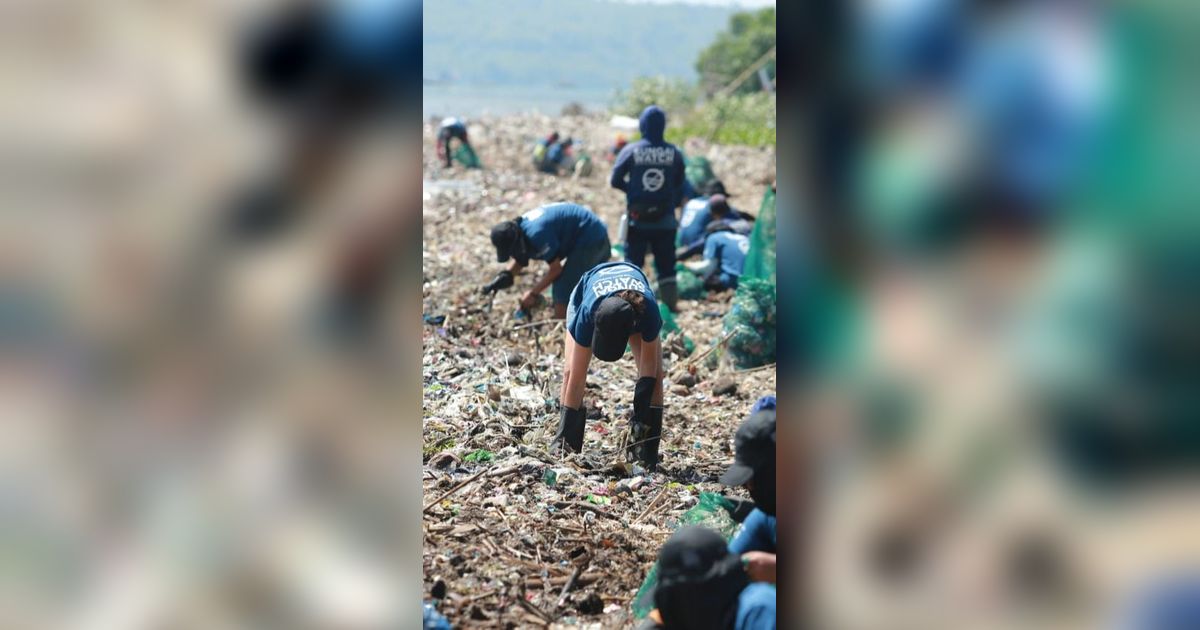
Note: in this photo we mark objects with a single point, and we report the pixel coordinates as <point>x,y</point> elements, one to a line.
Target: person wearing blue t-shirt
<point>613,306</point>
<point>568,236</point>
<point>701,585</point>
<point>651,174</point>
<point>754,468</point>
<point>724,258</point>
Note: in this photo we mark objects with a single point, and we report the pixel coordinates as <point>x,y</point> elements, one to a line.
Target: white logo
<point>535,214</point>
<point>744,244</point>
<point>653,179</point>
<point>612,285</point>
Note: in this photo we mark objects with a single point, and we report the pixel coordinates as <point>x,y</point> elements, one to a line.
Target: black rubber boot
<point>570,428</point>
<point>645,437</point>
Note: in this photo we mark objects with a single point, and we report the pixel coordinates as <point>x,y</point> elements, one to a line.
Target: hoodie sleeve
<point>678,179</point>
<point>621,170</point>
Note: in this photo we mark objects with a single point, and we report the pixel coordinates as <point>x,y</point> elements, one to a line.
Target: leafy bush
<point>736,119</point>
<point>676,96</point>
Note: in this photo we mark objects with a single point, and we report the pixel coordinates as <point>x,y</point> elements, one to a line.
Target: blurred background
<point>208,309</point>
<point>993,334</point>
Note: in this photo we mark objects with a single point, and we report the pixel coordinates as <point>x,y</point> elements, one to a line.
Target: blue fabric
<point>756,607</point>
<point>658,242</point>
<point>651,171</point>
<point>556,230</point>
<point>432,619</point>
<point>379,37</point>
<point>1172,603</point>
<point>765,402</point>
<point>600,282</point>
<point>729,250</point>
<point>556,153</point>
<point>757,533</point>
<point>691,224</point>
<point>583,258</point>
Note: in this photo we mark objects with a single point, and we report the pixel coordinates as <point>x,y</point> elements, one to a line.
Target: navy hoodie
<point>651,170</point>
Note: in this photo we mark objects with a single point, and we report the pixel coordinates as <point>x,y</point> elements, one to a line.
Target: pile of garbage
<point>513,533</point>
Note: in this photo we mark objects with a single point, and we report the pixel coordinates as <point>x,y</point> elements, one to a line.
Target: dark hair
<point>635,298</point>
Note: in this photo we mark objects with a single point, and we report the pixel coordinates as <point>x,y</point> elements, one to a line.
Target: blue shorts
<point>578,263</point>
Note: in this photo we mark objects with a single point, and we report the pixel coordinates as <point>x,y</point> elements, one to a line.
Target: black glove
<point>570,428</point>
<point>503,280</point>
<point>739,509</point>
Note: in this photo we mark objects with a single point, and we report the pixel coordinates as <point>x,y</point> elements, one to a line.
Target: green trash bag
<point>711,511</point>
<point>699,173</point>
<point>760,258</point>
<point>466,156</point>
<point>691,287</point>
<point>751,323</point>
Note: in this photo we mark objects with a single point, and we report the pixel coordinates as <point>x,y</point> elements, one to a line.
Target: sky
<point>721,3</point>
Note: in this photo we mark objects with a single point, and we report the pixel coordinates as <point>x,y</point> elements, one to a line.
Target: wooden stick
<point>693,360</point>
<point>586,506</point>
<point>649,507</point>
<point>460,486</point>
<point>538,323</point>
<point>570,581</point>
<point>748,370</point>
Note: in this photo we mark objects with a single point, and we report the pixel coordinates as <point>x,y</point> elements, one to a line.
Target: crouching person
<point>611,307</point>
<point>702,586</point>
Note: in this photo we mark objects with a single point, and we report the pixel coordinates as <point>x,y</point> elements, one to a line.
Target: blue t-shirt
<point>757,533</point>
<point>555,230</point>
<point>691,224</point>
<point>756,607</point>
<point>729,250</point>
<point>600,282</point>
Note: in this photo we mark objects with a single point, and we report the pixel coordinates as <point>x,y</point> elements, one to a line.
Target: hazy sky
<point>726,3</point>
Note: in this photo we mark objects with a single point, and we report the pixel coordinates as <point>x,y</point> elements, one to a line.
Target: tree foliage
<point>749,36</point>
<point>676,96</point>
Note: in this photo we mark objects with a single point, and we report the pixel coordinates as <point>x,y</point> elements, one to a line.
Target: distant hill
<point>586,43</point>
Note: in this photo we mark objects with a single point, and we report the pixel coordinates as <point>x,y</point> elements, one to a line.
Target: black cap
<point>693,554</point>
<point>504,237</point>
<point>753,447</point>
<point>615,320</point>
<point>715,187</point>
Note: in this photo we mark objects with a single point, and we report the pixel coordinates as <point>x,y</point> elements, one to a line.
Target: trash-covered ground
<point>513,535</point>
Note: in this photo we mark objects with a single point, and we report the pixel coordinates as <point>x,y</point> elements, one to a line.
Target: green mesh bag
<point>691,287</point>
<point>467,157</point>
<point>711,511</point>
<point>751,323</point>
<point>698,171</point>
<point>760,259</point>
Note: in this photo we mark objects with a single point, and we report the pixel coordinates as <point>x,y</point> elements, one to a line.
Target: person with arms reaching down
<point>724,258</point>
<point>450,129</point>
<point>651,174</point>
<point>612,306</point>
<point>703,216</point>
<point>568,236</point>
<point>702,586</point>
<point>754,468</point>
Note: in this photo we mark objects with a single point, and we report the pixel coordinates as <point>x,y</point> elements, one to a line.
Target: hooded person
<point>612,307</point>
<point>569,237</point>
<point>706,215</point>
<point>702,586</point>
<point>651,174</point>
<point>754,468</point>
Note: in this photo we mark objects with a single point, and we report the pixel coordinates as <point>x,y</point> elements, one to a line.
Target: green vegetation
<point>748,38</point>
<point>745,115</point>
